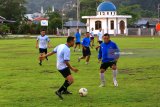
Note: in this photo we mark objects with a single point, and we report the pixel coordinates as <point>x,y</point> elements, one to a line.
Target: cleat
<point>59,95</point>
<point>86,63</point>
<point>66,92</point>
<point>79,59</point>
<point>102,85</point>
<point>40,64</point>
<point>115,83</point>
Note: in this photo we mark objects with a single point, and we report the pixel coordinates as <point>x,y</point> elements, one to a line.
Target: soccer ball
<point>83,92</point>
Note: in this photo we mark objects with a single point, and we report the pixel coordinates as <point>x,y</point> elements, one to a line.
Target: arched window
<point>98,25</point>
<point>112,25</point>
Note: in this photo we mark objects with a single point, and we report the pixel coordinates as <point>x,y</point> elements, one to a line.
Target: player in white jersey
<point>92,36</point>
<point>63,65</point>
<point>43,43</point>
<point>99,38</point>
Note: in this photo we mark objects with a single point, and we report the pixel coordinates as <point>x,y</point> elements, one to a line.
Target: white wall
<point>106,25</point>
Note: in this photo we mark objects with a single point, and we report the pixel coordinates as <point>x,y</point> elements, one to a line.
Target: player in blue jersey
<point>108,55</point>
<point>78,40</point>
<point>86,48</point>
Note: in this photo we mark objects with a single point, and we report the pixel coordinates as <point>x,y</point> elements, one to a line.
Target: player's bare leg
<point>87,59</point>
<point>114,70</point>
<point>75,47</point>
<point>82,57</point>
<point>70,80</point>
<point>40,63</point>
<point>63,90</point>
<point>79,47</point>
<point>102,78</point>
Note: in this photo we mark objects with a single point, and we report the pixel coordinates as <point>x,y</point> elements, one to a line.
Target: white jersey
<point>100,35</point>
<point>43,41</point>
<point>63,54</point>
<point>92,34</point>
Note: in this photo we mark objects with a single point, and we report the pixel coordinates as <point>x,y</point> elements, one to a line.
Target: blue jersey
<point>108,52</point>
<point>78,37</point>
<point>86,42</point>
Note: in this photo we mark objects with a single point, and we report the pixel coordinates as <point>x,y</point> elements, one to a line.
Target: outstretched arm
<point>37,44</point>
<point>72,68</point>
<point>43,56</point>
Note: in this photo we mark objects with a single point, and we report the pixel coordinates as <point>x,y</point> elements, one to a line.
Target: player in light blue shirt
<point>63,65</point>
<point>78,40</point>
<point>43,42</point>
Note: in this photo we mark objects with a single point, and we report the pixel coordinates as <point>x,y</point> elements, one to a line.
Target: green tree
<point>133,10</point>
<point>13,10</point>
<point>3,30</point>
<point>54,21</point>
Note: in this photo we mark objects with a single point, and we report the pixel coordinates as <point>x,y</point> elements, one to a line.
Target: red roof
<point>39,19</point>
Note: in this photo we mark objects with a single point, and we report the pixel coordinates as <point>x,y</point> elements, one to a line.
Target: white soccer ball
<point>83,92</point>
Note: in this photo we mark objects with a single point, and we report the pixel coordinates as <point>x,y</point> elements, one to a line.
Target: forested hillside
<point>149,7</point>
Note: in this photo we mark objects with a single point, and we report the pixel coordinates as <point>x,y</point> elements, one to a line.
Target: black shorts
<point>92,38</point>
<point>86,52</point>
<point>77,43</point>
<point>100,42</point>
<point>65,72</point>
<point>42,50</point>
<point>107,64</point>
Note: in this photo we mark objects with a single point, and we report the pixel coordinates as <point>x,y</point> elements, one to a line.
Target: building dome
<point>106,6</point>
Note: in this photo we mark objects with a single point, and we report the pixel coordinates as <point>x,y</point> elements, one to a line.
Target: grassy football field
<point>23,83</point>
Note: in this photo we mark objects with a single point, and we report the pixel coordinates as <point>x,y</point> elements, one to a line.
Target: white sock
<point>114,74</point>
<point>102,78</point>
<point>87,62</point>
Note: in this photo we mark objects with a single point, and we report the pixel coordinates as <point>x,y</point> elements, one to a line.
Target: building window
<point>112,25</point>
<point>99,13</point>
<point>107,13</point>
<point>98,25</point>
<point>111,13</point>
<point>103,13</point>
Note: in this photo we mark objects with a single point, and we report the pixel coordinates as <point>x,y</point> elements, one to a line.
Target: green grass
<point>23,83</point>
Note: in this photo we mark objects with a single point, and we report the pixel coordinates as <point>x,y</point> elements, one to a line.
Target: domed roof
<point>106,6</point>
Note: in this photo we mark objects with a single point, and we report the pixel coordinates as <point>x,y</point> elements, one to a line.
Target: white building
<point>107,19</point>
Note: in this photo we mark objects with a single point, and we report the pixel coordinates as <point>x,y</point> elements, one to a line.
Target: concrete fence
<point>142,32</point>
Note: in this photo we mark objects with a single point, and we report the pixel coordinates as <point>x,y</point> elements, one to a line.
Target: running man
<point>85,48</point>
<point>43,42</point>
<point>63,65</point>
<point>92,36</point>
<point>109,55</point>
<point>78,40</point>
<point>99,38</point>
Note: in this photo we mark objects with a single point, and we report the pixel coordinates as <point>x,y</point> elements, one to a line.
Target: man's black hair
<point>43,30</point>
<point>106,34</point>
<point>70,38</point>
<point>87,32</point>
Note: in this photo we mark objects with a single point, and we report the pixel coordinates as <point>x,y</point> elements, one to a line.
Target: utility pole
<point>159,12</point>
<point>78,12</point>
